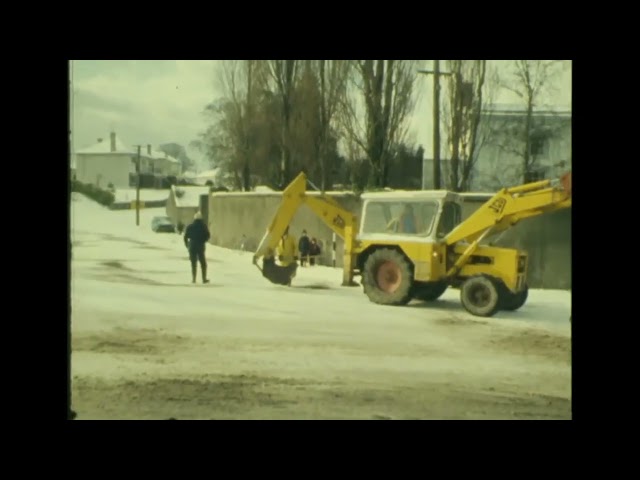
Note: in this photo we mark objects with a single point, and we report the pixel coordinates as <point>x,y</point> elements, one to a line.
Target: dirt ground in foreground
<point>153,374</point>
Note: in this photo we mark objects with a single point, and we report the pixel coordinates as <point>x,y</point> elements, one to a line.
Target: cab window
<point>398,217</point>
<point>450,218</point>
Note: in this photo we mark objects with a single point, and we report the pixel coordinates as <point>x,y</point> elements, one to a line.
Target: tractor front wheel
<point>387,277</point>
<point>480,296</point>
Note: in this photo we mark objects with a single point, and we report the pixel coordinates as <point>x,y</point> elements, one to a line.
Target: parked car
<point>162,225</point>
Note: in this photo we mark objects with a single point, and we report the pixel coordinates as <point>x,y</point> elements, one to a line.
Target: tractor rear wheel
<point>480,296</point>
<point>513,301</point>
<point>387,277</point>
<point>429,292</point>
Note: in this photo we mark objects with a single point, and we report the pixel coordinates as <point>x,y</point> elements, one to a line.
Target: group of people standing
<point>307,250</point>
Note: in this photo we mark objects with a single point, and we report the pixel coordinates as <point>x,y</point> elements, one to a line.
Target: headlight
<point>522,263</point>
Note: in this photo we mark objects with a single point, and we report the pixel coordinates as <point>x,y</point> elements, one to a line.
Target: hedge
<point>103,197</point>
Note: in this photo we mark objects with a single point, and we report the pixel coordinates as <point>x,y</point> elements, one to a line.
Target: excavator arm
<point>292,198</point>
<point>336,217</point>
<point>505,209</point>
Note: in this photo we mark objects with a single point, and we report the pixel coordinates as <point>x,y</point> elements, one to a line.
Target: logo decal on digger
<point>498,205</point>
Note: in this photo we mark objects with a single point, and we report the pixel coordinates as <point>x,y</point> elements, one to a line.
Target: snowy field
<point>148,344</point>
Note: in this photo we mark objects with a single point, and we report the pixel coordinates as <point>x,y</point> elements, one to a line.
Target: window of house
<point>539,145</point>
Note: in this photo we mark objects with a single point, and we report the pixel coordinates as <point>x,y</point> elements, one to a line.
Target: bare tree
<point>332,79</point>
<point>529,80</point>
<point>466,91</point>
<point>240,81</point>
<point>386,88</point>
<point>217,142</point>
<point>284,73</point>
<point>312,136</point>
<point>304,123</point>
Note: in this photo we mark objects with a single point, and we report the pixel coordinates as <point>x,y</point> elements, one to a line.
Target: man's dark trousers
<point>197,255</point>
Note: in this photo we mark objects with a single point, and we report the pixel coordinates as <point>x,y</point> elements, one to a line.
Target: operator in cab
<point>405,223</point>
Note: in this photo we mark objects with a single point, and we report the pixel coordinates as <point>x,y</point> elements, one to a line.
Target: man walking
<point>195,238</point>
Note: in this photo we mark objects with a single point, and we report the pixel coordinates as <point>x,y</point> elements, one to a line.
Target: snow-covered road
<point>149,344</point>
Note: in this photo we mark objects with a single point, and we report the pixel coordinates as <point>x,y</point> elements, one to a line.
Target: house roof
<point>159,154</point>
<point>104,146</point>
<point>190,197</point>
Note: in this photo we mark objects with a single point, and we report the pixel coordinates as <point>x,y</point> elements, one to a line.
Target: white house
<point>113,162</point>
<point>163,164</point>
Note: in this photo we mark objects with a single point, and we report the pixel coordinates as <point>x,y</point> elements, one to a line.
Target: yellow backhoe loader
<point>414,244</point>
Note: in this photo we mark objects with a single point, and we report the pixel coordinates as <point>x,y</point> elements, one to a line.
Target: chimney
<point>148,149</point>
<point>113,141</point>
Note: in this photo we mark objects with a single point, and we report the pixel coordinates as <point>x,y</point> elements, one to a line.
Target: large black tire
<point>387,278</point>
<point>513,301</point>
<point>429,292</point>
<point>480,296</point>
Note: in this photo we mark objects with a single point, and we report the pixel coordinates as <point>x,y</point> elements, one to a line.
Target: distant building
<point>112,162</point>
<point>500,159</point>
<point>501,147</point>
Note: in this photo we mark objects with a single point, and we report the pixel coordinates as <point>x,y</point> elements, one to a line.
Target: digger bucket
<point>565,180</point>
<point>278,274</point>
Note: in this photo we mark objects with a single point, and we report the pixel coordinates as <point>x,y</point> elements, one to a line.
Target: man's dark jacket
<point>196,236</point>
<point>303,245</point>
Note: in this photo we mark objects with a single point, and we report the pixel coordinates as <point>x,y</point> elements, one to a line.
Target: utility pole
<point>70,413</point>
<point>138,187</point>
<point>71,114</point>
<point>436,121</point>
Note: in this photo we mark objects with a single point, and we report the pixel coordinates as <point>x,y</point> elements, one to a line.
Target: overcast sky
<point>160,101</point>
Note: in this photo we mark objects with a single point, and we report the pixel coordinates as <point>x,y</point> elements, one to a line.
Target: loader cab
<point>423,216</point>
<point>450,218</point>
